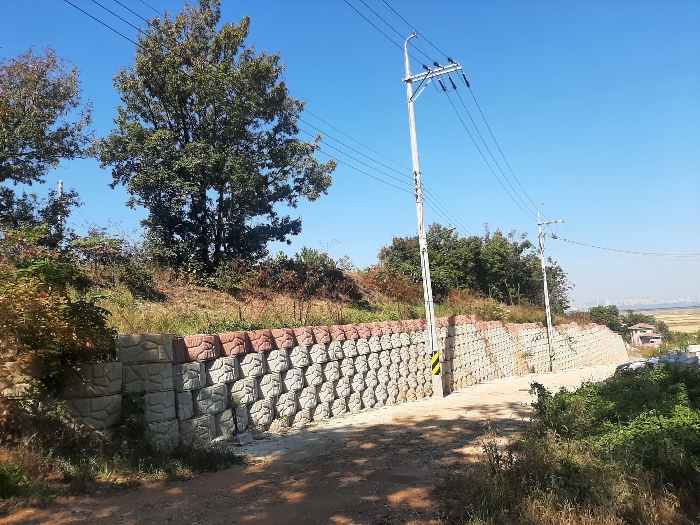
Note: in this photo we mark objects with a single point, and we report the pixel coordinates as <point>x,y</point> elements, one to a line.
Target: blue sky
<point>596,106</point>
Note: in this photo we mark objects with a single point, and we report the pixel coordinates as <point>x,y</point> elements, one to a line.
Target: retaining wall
<point>292,377</point>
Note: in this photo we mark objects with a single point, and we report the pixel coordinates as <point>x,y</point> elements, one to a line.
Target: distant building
<point>643,334</point>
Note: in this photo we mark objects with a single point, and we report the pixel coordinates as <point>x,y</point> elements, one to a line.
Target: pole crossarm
<point>438,71</point>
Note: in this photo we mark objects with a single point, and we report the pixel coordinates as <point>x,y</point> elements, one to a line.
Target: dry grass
<point>678,319</point>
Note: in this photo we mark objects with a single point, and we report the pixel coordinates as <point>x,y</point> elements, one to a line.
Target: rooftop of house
<point>640,326</point>
<point>645,336</point>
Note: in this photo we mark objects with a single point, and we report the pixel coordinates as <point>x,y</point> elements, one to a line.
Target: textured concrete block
<point>234,343</point>
<point>277,360</point>
<point>380,394</point>
<point>245,391</point>
<point>318,353</point>
<point>270,385</point>
<point>350,348</point>
<point>322,334</point>
<point>342,387</point>
<point>335,351</point>
<point>368,400</point>
<point>221,370</point>
<point>184,405</point>
<point>196,348</point>
<point>299,356</point>
<point>403,369</point>
<point>326,392</point>
<point>262,412</point>
<point>358,383</point>
<point>96,412</point>
<point>383,375</point>
<point>375,344</point>
<point>261,340</point>
<point>160,406</point>
<point>373,362</point>
<point>361,364</point>
<point>304,336</point>
<point>363,347</point>
<point>251,365</point>
<point>405,339</point>
<point>100,379</point>
<point>149,377</point>
<point>283,338</point>
<point>211,399</point>
<point>164,435</point>
<point>302,418</point>
<point>385,357</point>
<point>286,404</point>
<point>354,402</point>
<point>347,367</point>
<point>144,348</point>
<point>198,431</point>
<point>339,407</point>
<point>224,422</point>
<point>371,380</point>
<point>307,398</point>
<point>189,376</point>
<point>385,342</point>
<point>322,411</point>
<point>313,375</point>
<point>293,380</point>
<point>396,340</point>
<point>331,371</point>
<point>364,330</point>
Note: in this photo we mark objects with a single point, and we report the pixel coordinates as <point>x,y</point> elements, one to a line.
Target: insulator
<point>426,67</point>
<point>454,86</point>
<point>436,64</point>
<point>442,85</point>
<point>451,61</point>
<point>465,80</point>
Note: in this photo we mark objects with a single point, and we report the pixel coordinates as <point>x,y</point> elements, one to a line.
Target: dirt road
<point>376,467</point>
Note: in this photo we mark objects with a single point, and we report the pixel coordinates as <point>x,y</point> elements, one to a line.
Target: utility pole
<point>60,215</point>
<point>541,235</point>
<point>423,79</point>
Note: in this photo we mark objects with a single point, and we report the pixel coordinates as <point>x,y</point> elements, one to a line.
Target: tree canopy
<point>503,267</point>
<point>42,117</point>
<point>206,141</point>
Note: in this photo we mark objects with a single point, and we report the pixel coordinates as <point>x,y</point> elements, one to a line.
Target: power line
<point>147,5</point>
<point>413,29</point>
<point>626,258</point>
<point>115,14</point>
<point>364,172</point>
<point>101,22</point>
<point>131,11</point>
<point>655,254</point>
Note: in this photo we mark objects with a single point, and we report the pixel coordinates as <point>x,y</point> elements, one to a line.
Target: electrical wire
<point>557,250</point>
<point>413,29</point>
<point>101,22</point>
<point>655,254</point>
<point>147,5</point>
<point>131,11</point>
<point>115,14</point>
<point>364,172</point>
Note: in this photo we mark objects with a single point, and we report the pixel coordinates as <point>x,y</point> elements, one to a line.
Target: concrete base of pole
<point>438,391</point>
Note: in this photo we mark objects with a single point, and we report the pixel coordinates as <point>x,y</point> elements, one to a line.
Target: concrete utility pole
<point>541,235</point>
<point>423,79</point>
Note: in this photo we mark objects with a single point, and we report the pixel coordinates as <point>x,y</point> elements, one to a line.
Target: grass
<point>678,319</point>
<point>626,450</point>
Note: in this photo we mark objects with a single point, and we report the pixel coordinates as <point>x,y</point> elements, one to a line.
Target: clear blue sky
<point>596,106</point>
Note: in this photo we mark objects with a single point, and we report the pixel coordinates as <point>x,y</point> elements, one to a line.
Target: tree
<point>610,317</point>
<point>206,141</point>
<point>502,267</point>
<point>38,92</point>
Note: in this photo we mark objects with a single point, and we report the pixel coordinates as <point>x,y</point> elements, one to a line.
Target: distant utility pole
<point>60,215</point>
<point>541,235</point>
<point>423,79</point>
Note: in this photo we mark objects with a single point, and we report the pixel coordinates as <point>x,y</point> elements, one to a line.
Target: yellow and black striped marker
<point>435,363</point>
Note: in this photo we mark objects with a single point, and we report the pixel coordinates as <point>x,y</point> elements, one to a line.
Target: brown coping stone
<point>386,327</point>
<point>421,324</point>
<point>376,329</point>
<point>284,338</point>
<point>351,332</point>
<point>364,330</point>
<point>396,327</point>
<point>337,332</point>
<point>304,335</point>
<point>196,348</point>
<point>322,334</point>
<point>234,343</point>
<point>261,340</point>
<point>441,322</point>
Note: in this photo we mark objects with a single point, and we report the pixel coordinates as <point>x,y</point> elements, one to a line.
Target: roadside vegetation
<point>623,451</point>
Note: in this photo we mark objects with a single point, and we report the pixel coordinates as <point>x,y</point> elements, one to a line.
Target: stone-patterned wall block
<point>304,336</point>
<point>148,377</point>
<point>270,385</point>
<point>234,343</point>
<point>368,399</point>
<point>322,411</point>
<point>347,367</point>
<point>189,376</point>
<point>245,391</point>
<point>292,380</point>
<point>373,362</point>
<point>184,405</point>
<point>198,431</point>
<point>261,340</point>
<point>202,347</point>
<point>318,353</point>
<point>211,399</point>
<point>351,332</point>
<point>364,330</point>
<point>363,347</point>
<point>358,383</point>
<point>361,365</point>
<point>221,370</point>
<point>331,370</point>
<point>283,338</point>
<point>302,418</point>
<point>326,392</point>
<point>375,344</point>
<point>385,342</point>
<point>100,379</point>
<point>251,365</point>
<point>307,398</point>
<point>277,360</point>
<point>339,407</point>
<point>337,332</point>
<point>354,402</point>
<point>335,351</point>
<point>164,435</point>
<point>322,334</point>
<point>313,375</point>
<point>96,412</point>
<point>299,356</point>
<point>160,406</point>
<point>286,404</point>
<point>350,348</point>
<point>262,412</point>
<point>343,387</point>
<point>144,348</point>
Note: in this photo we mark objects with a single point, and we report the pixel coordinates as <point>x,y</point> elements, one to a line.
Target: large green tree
<point>206,140</point>
<point>43,119</point>
<point>504,267</point>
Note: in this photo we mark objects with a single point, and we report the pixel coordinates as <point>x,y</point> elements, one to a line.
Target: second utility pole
<point>424,79</point>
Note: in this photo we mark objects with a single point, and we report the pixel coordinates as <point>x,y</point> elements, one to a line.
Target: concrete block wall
<point>200,388</point>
